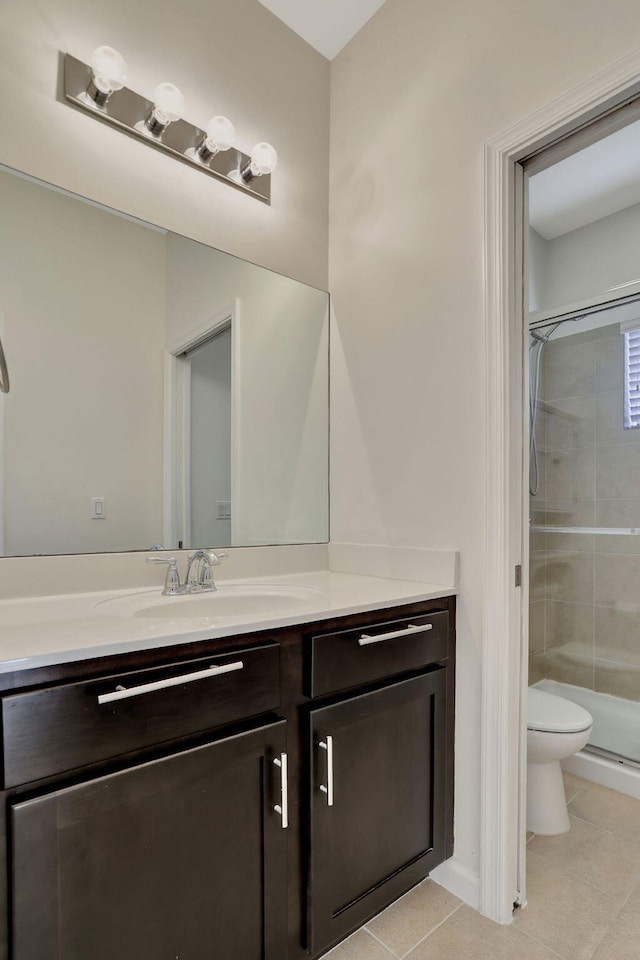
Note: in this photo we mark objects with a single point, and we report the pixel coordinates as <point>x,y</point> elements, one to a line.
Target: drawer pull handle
<point>405,632</point>
<point>328,746</point>
<point>283,807</point>
<point>122,693</point>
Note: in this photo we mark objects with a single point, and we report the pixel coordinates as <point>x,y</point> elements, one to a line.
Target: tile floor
<point>583,893</point>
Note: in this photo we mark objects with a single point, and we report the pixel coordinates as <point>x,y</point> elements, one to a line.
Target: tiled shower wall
<point>585,589</point>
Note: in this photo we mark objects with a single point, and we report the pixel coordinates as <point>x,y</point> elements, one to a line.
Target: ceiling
<point>327,25</point>
<point>601,179</point>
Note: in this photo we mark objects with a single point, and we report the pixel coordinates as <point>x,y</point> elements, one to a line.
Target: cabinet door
<point>182,857</point>
<point>377,801</point>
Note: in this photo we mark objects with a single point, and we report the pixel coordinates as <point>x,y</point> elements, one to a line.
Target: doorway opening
<point>583,318</point>
<point>583,111</point>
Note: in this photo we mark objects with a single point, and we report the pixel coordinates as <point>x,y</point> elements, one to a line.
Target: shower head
<point>544,337</point>
<point>539,336</point>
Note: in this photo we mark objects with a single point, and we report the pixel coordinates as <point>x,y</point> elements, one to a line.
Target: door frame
<point>504,673</point>
<point>3,454</point>
<point>177,423</point>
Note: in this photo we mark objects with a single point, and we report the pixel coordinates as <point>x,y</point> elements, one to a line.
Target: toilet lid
<point>552,714</point>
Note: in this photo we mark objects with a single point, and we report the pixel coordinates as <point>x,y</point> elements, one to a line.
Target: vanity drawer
<point>350,658</point>
<point>57,729</point>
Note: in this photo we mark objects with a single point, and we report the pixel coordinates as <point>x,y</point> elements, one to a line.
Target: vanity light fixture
<point>99,88</point>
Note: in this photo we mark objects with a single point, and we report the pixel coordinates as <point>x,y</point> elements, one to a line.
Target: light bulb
<point>109,74</point>
<point>264,160</point>
<point>219,136</point>
<point>168,103</point>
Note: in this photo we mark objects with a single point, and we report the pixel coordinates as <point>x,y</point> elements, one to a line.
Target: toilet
<point>556,729</point>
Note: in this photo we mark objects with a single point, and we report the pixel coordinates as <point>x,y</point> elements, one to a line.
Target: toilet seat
<point>551,714</point>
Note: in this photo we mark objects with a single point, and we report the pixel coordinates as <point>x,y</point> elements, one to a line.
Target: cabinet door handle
<point>122,693</point>
<point>328,746</point>
<point>405,632</point>
<point>283,807</point>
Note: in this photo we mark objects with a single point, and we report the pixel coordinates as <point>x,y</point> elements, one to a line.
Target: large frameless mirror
<point>163,393</point>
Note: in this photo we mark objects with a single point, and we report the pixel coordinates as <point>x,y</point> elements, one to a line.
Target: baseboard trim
<point>459,880</point>
<point>617,776</point>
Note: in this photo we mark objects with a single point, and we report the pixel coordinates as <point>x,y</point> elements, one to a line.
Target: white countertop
<point>41,631</point>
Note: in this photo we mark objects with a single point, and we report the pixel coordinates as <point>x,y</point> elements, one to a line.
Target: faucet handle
<point>217,558</point>
<point>172,585</point>
<point>170,560</point>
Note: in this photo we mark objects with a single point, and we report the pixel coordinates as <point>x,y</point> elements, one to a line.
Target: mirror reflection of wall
<point>93,304</point>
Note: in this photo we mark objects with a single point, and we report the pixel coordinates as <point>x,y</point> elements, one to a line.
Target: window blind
<point>632,379</point>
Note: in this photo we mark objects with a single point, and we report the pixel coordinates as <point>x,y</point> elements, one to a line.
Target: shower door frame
<point>505,628</point>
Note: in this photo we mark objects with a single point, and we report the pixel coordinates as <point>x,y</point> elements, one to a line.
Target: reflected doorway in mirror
<point>201,425</point>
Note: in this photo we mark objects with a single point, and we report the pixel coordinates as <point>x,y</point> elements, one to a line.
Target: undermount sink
<point>227,601</point>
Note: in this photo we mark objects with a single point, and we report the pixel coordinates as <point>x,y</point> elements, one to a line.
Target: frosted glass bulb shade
<point>264,159</point>
<point>168,103</point>
<point>221,134</point>
<point>109,69</point>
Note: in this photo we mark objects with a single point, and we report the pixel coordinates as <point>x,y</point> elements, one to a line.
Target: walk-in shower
<point>584,525</point>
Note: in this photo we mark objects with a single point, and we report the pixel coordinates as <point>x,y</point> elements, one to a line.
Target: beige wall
<point>231,58</point>
<point>415,96</point>
<point>584,262</point>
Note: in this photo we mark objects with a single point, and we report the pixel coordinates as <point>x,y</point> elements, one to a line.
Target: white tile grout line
<point>546,945</point>
<point>596,826</point>
<point>615,918</point>
<point>420,883</point>
<point>611,833</point>
<point>381,942</point>
<point>422,939</point>
<point>579,790</point>
<point>384,910</point>
<point>574,876</point>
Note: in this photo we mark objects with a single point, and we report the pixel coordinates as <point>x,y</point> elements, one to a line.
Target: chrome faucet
<point>199,577</point>
<point>201,580</point>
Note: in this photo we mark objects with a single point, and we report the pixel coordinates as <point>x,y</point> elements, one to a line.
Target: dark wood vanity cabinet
<point>171,803</point>
<point>378,827</point>
<point>177,857</point>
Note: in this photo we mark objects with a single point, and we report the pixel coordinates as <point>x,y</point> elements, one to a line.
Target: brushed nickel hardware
<point>283,807</point>
<point>132,113</point>
<point>124,693</point>
<point>327,745</point>
<point>365,639</point>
